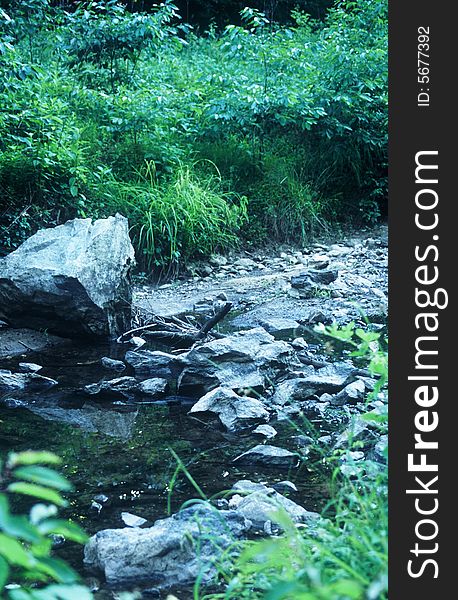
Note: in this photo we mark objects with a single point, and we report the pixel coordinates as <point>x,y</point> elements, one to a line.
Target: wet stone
<point>268,456</point>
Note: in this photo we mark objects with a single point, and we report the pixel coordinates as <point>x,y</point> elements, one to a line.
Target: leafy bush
<point>294,117</point>
<point>26,563</point>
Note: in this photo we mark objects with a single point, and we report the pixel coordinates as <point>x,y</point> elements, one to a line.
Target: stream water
<point>117,455</point>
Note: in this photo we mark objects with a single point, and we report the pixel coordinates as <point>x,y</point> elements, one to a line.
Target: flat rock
<point>112,364</point>
<point>121,387</point>
<point>263,454</point>
<point>279,326</point>
<point>72,279</point>
<point>266,431</point>
<point>14,342</point>
<point>153,363</point>
<point>25,367</point>
<point>154,387</point>
<point>16,382</point>
<point>132,520</point>
<point>234,412</point>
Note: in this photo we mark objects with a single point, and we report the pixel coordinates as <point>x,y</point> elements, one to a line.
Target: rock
<point>303,286</point>
<point>234,412</point>
<point>71,279</point>
<point>122,387</point>
<point>269,456</point>
<point>132,520</point>
<point>294,390</point>
<point>284,486</point>
<point>217,260</point>
<point>319,261</point>
<point>266,431</point>
<point>351,394</point>
<point>359,431</point>
<point>331,378</point>
<point>137,342</point>
<point>281,326</point>
<point>260,502</point>
<point>153,363</point>
<point>92,417</point>
<point>246,263</point>
<point>379,452</point>
<point>352,456</point>
<point>309,280</point>
<point>154,387</point>
<point>241,377</point>
<point>242,361</point>
<point>172,552</point>
<point>14,342</point>
<point>13,382</point>
<point>25,367</point>
<point>112,364</point>
<point>323,277</point>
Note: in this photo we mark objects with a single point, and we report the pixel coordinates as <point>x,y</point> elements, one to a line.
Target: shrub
<point>27,567</point>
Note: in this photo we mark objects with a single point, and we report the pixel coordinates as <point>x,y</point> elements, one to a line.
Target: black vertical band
<point>423,332</point>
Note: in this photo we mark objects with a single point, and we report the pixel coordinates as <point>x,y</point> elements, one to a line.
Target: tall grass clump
<point>173,220</point>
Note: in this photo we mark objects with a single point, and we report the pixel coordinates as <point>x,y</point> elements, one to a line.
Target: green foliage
<point>173,220</point>
<point>368,346</point>
<point>293,117</point>
<point>26,563</point>
<point>105,35</point>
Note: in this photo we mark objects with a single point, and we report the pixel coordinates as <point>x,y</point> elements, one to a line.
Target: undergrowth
<point>293,117</point>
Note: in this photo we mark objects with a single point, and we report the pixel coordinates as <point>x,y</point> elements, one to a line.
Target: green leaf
<point>19,527</point>
<point>32,457</point>
<point>4,572</point>
<point>69,530</point>
<point>43,476</point>
<point>37,491</point>
<point>62,592</point>
<point>14,552</point>
<point>57,569</point>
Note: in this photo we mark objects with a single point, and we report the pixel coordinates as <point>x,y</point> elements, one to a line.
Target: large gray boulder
<point>72,279</point>
<point>174,551</point>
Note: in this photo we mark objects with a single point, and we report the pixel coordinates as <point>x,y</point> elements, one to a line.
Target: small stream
<point>117,454</point>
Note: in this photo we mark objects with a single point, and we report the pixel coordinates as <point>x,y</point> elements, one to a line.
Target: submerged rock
<point>14,382</point>
<point>235,412</point>
<point>270,456</point>
<point>112,364</point>
<point>122,387</point>
<point>72,279</point>
<point>174,551</point>
<point>153,363</point>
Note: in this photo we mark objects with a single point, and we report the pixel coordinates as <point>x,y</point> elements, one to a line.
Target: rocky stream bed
<point>242,407</point>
